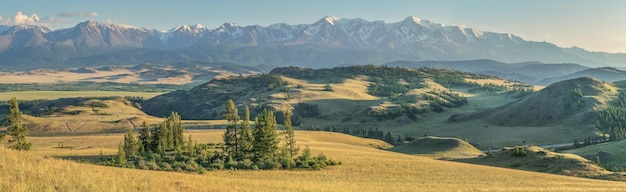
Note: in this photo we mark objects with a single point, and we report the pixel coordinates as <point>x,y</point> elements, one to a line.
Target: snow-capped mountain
<point>327,42</point>
<point>183,36</point>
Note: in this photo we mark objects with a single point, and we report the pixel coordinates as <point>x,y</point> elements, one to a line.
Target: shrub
<point>245,164</point>
<point>165,166</point>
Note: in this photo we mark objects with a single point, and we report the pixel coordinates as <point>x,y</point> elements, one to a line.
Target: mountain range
<point>328,42</point>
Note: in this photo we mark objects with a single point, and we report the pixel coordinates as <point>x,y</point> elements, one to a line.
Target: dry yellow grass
<point>46,76</point>
<point>364,169</point>
<point>118,76</point>
<point>50,95</point>
<point>119,115</point>
<point>438,147</point>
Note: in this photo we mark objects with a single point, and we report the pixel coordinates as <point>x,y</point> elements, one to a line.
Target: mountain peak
<point>412,19</point>
<point>189,28</point>
<point>328,19</point>
<point>230,25</point>
<point>89,22</point>
<point>422,22</point>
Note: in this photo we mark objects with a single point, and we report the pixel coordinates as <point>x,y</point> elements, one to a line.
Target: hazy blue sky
<point>593,25</point>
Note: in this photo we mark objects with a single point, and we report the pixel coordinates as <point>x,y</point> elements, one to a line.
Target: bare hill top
<point>439,147</point>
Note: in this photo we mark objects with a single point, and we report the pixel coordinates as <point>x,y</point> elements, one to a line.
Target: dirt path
<point>133,123</point>
<point>67,125</point>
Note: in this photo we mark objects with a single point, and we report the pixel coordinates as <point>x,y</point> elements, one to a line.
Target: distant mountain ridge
<point>607,74</point>
<point>527,72</point>
<point>328,42</point>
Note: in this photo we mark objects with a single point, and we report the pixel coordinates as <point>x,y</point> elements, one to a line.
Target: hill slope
<point>570,102</point>
<point>542,160</point>
<point>612,154</point>
<point>363,169</point>
<point>354,92</point>
<point>448,148</point>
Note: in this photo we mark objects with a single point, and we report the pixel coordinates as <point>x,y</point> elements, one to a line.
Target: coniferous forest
<point>248,147</point>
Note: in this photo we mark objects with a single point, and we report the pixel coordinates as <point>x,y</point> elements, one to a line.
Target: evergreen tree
<point>131,146</point>
<point>265,139</point>
<point>246,139</point>
<point>327,87</point>
<point>176,128</point>
<point>290,137</point>
<point>230,135</point>
<point>189,147</point>
<point>120,159</point>
<point>306,154</point>
<point>16,130</point>
<point>169,135</point>
<point>144,139</point>
<point>389,139</point>
<point>155,138</point>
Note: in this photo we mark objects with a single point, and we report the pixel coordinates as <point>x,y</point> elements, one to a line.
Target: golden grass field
<point>51,95</point>
<point>438,147</point>
<point>364,168</point>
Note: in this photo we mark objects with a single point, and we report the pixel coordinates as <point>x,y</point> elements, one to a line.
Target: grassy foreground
<point>365,168</point>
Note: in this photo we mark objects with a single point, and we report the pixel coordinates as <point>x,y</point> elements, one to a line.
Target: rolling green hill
<point>348,94</point>
<point>570,102</point>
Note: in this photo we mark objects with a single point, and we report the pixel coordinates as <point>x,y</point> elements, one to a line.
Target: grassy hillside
<point>402,101</point>
<point>439,147</point>
<point>540,160</point>
<point>71,116</point>
<point>568,102</point>
<point>612,154</point>
<point>365,168</point>
<point>379,92</point>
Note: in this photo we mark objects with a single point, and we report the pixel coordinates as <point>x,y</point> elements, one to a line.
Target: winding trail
<point>133,123</point>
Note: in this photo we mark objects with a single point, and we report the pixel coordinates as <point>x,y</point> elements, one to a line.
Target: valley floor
<point>364,168</point>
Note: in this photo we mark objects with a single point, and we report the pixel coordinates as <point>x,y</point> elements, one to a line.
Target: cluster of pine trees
<point>163,146</point>
<point>612,120</point>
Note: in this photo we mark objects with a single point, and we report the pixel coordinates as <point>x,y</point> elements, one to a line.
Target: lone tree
<point>230,135</point>
<point>327,87</point>
<point>16,130</point>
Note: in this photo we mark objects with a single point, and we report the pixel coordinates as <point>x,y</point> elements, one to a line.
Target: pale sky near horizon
<point>592,25</point>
